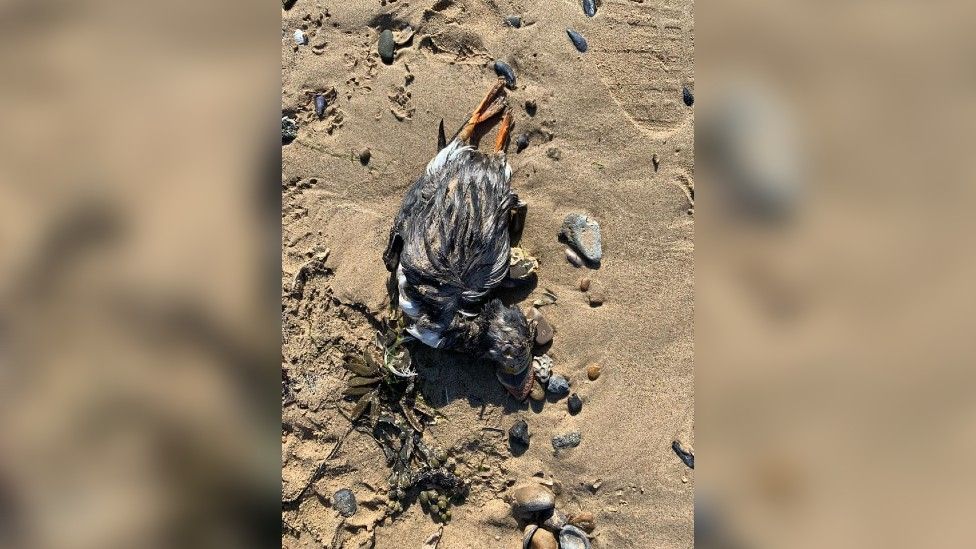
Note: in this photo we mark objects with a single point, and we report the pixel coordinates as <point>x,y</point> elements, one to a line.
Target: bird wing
<point>456,245</point>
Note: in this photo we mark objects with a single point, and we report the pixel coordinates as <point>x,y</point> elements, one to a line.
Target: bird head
<point>508,343</point>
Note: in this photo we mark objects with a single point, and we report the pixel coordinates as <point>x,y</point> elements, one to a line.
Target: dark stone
<point>289,130</point>
<point>589,8</point>
<point>519,433</point>
<point>513,21</point>
<point>364,156</point>
<point>345,502</point>
<point>583,233</point>
<point>505,71</point>
<point>688,98</point>
<point>575,404</point>
<point>567,440</point>
<point>287,4</point>
<point>320,105</point>
<point>530,107</point>
<point>558,385</point>
<point>522,142</point>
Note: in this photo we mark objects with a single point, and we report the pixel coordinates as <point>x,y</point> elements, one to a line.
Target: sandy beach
<point>611,137</point>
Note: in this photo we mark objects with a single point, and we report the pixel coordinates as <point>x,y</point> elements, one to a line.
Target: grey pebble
<point>558,385</point>
<point>364,156</point>
<point>513,21</point>
<point>583,234</point>
<point>686,95</point>
<point>577,39</point>
<point>532,498</point>
<point>522,142</point>
<point>571,537</point>
<point>505,71</point>
<point>567,440</point>
<point>574,404</point>
<point>300,38</point>
<point>345,502</point>
<point>543,330</point>
<point>386,46</point>
<point>289,130</point>
<point>519,433</point>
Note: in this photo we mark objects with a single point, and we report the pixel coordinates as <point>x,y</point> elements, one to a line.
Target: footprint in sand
<point>645,56</point>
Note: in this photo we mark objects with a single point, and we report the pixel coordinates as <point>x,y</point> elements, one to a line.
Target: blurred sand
<point>606,112</point>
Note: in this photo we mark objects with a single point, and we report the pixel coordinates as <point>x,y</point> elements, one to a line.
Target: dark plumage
<point>449,249</point>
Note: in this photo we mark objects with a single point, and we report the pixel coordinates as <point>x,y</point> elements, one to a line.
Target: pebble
<point>595,485</point>
<point>583,233</point>
<point>686,95</point>
<point>655,160</point>
<point>593,371</point>
<point>558,385</point>
<point>543,330</point>
<point>571,537</point>
<point>513,21</point>
<point>596,299</point>
<point>578,41</point>
<point>555,521</point>
<point>505,71</point>
<point>573,258</point>
<point>530,106</point>
<point>575,404</point>
<point>287,4</point>
<point>289,129</point>
<point>543,539</point>
<point>584,284</point>
<point>532,498</point>
<point>583,520</point>
<point>518,434</point>
<point>566,441</point>
<point>320,105</point>
<point>300,38</point>
<point>589,8</point>
<point>538,393</point>
<point>386,46</point>
<point>543,368</point>
<point>345,502</point>
<point>364,156</point>
<point>521,142</point>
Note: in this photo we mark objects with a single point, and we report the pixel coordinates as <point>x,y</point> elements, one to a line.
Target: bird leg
<point>503,132</point>
<point>486,109</point>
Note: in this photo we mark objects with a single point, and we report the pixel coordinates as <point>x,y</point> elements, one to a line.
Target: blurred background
<point>834,255</point>
<point>139,285</point>
<point>140,276</point>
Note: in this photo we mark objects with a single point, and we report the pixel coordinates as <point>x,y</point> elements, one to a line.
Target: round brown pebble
<point>584,284</point>
<point>596,299</point>
<point>583,520</point>
<point>532,498</point>
<point>593,371</point>
<point>543,539</point>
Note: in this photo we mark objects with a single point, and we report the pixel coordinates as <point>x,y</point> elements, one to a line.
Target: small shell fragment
<point>300,38</point>
<point>589,7</point>
<point>577,39</point>
<point>505,71</point>
<point>320,105</point>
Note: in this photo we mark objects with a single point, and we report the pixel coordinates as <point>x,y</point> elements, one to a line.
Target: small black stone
<point>589,8</point>
<point>287,4</point>
<point>513,21</point>
<point>578,41</point>
<point>522,142</point>
<point>289,130</point>
<point>519,433</point>
<point>364,156</point>
<point>530,106</point>
<point>345,502</point>
<point>687,96</point>
<point>575,404</point>
<point>386,46</point>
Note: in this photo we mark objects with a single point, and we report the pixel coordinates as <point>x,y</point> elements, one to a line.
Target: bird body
<point>450,248</point>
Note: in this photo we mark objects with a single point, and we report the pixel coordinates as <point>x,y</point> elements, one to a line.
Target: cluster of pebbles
<point>546,527</point>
